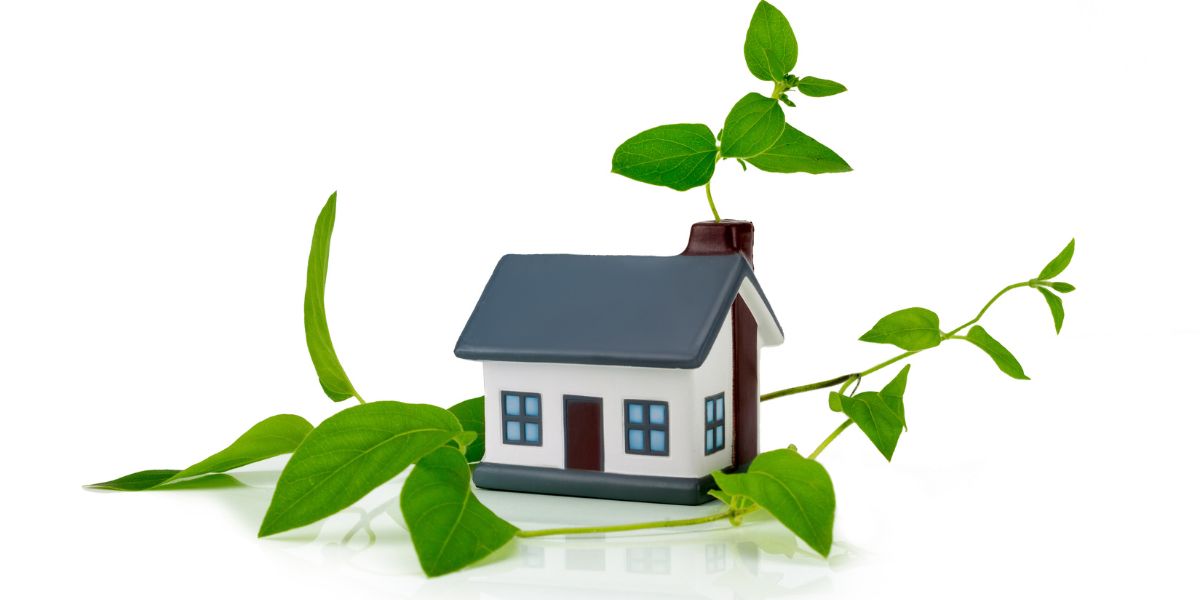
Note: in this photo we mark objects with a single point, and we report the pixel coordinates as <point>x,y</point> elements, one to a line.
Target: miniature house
<point>622,377</point>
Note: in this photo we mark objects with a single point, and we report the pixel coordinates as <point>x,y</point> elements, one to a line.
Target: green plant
<point>685,155</point>
<point>342,459</point>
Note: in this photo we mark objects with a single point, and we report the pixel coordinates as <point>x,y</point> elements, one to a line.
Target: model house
<point>623,377</point>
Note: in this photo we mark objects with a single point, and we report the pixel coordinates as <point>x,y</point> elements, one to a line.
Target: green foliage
<point>1002,357</point>
<point>794,489</point>
<point>1060,286</point>
<point>911,329</point>
<point>1055,267</point>
<point>795,152</point>
<point>270,437</point>
<point>470,416</point>
<point>680,157</point>
<point>819,88</point>
<point>1056,308</point>
<point>835,401</point>
<point>350,454</point>
<point>770,47</point>
<point>450,528</point>
<point>880,415</point>
<point>155,480</point>
<point>316,330</point>
<point>754,124</point>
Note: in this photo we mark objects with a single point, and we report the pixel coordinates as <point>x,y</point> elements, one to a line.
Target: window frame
<point>523,418</point>
<point>646,427</point>
<point>716,422</point>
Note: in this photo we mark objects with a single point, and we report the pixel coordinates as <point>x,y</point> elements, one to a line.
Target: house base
<point>594,484</point>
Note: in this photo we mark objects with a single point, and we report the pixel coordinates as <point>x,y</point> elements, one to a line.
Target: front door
<point>582,420</point>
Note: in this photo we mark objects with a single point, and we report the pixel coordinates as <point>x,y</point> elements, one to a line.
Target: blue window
<point>522,418</point>
<point>714,423</point>
<point>646,425</point>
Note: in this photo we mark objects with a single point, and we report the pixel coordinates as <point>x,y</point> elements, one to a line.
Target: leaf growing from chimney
<point>753,125</point>
<point>795,152</point>
<point>680,157</point>
<point>770,48</point>
<point>316,329</point>
<point>450,528</point>
<point>350,454</point>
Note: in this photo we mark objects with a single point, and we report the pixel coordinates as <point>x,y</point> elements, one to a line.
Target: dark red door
<point>584,431</point>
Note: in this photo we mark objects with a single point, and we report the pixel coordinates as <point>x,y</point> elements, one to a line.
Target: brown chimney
<point>728,237</point>
<point>724,237</point>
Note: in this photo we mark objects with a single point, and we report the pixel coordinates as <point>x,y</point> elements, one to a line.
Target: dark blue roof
<point>645,311</point>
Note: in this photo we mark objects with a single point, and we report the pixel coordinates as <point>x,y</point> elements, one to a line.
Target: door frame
<point>567,400</point>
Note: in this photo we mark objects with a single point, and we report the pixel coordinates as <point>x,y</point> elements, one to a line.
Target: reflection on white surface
<point>759,559</point>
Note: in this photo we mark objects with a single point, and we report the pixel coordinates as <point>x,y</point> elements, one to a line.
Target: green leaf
<point>880,415</point>
<point>1059,264</point>
<point>350,454</point>
<point>911,329</point>
<point>794,489</point>
<point>819,88</point>
<point>470,416</point>
<point>795,152</point>
<point>1003,358</point>
<point>787,101</point>
<point>680,157</point>
<point>836,401</point>
<point>1060,286</point>
<point>156,481</point>
<point>770,47</point>
<point>754,124</point>
<point>1056,308</point>
<point>316,330</point>
<point>450,528</point>
<point>270,437</point>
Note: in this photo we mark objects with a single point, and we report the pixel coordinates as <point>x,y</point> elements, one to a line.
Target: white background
<point>161,165</point>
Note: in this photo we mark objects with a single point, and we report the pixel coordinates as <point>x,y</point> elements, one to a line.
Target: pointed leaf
<point>470,416</point>
<point>753,125</point>
<point>270,437</point>
<point>156,481</point>
<point>450,528</point>
<point>316,329</point>
<point>1056,308</point>
<point>770,47</point>
<point>350,454</point>
<point>1059,264</point>
<point>1002,357</point>
<point>795,152</point>
<point>911,329</point>
<point>819,88</point>
<point>880,415</point>
<point>680,157</point>
<point>1060,286</point>
<point>794,489</point>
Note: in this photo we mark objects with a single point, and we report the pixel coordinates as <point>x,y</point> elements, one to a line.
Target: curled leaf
<point>316,329</point>
<point>1000,355</point>
<point>470,416</point>
<point>1056,308</point>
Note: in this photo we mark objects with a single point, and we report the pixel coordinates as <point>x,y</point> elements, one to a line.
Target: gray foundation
<point>594,484</point>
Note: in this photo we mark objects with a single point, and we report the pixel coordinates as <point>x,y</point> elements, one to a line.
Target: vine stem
<point>726,514</point>
<point>808,388</point>
<point>712,205</point>
<point>832,436</point>
<point>359,398</point>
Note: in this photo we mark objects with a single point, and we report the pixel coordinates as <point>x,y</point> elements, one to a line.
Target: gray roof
<point>645,311</point>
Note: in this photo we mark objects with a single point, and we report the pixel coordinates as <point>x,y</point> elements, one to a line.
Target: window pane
<point>532,406</point>
<point>512,431</point>
<point>637,439</point>
<point>635,412</point>
<point>720,436</point>
<point>708,411</point>
<point>658,439</point>
<point>658,414</point>
<point>720,402</point>
<point>708,440</point>
<point>512,404</point>
<point>533,432</point>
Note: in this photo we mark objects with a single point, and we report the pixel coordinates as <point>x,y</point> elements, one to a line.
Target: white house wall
<point>683,389</point>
